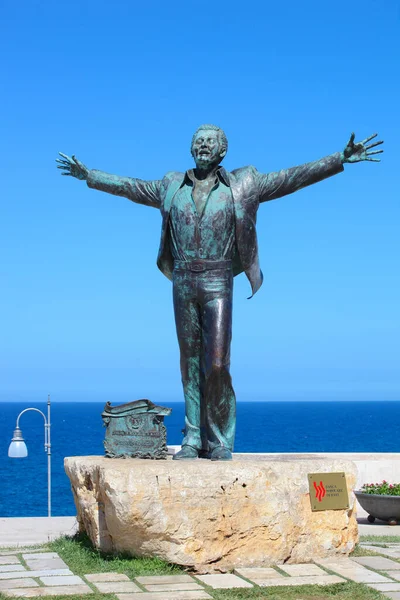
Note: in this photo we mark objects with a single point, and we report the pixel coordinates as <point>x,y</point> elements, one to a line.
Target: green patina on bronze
<point>135,429</point>
<point>208,236</point>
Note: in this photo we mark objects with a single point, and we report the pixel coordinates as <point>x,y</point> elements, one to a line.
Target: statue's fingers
<point>78,162</point>
<point>374,152</point>
<point>65,173</point>
<point>351,140</point>
<point>371,137</point>
<point>373,145</point>
<point>65,167</point>
<point>373,159</point>
<point>62,162</point>
<point>65,156</point>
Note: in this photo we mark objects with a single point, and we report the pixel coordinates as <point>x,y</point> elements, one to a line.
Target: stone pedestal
<point>211,516</point>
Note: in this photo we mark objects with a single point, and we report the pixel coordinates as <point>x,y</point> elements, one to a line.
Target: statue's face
<point>206,148</point>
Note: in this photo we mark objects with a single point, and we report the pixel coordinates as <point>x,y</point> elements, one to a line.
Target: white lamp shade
<point>17,448</point>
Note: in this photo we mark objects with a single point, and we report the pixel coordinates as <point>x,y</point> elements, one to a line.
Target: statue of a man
<point>208,236</point>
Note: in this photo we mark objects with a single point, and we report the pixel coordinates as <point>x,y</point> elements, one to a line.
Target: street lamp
<point>18,449</point>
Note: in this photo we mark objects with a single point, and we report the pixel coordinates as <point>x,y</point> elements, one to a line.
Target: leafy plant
<point>381,489</point>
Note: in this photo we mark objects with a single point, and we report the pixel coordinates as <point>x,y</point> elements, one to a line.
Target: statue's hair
<point>221,135</point>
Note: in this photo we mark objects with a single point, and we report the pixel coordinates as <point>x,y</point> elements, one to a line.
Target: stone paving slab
<point>390,552</point>
<point>39,555</point>
<point>62,580</point>
<point>305,570</point>
<point>44,573</point>
<point>11,568</point>
<point>393,595</point>
<point>378,562</point>
<point>306,580</point>
<point>187,595</point>
<point>354,572</point>
<point>46,564</point>
<point>340,561</point>
<point>160,579</point>
<point>385,587</point>
<point>26,532</point>
<point>224,581</point>
<point>104,577</point>
<point>11,559</point>
<point>78,590</point>
<point>17,583</point>
<point>173,587</point>
<point>362,576</point>
<point>394,575</point>
<point>113,587</point>
<point>258,573</point>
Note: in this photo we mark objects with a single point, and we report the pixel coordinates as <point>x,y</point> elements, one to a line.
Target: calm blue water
<point>261,427</point>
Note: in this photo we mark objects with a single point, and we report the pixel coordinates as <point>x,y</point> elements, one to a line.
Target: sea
<point>77,429</point>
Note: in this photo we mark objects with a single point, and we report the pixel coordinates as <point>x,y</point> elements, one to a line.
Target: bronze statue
<point>208,236</point>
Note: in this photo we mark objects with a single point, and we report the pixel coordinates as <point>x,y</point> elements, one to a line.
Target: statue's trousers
<point>203,316</point>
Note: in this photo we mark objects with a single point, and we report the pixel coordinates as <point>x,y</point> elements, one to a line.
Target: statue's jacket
<point>249,188</point>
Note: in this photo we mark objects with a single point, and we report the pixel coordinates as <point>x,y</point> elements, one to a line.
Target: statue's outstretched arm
<point>287,181</point>
<point>137,190</point>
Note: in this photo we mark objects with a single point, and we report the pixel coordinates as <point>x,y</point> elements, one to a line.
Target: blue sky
<point>86,315</point>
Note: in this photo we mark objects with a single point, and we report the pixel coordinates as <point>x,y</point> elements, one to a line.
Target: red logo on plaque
<point>320,491</point>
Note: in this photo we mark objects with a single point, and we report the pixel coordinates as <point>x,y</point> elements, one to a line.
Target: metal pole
<point>47,446</point>
<point>48,458</point>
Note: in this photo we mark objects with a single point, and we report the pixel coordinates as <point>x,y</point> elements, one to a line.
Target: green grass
<point>82,558</point>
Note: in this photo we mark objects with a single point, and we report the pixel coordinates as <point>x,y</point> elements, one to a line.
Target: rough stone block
<point>104,577</point>
<point>224,581</point>
<point>251,512</point>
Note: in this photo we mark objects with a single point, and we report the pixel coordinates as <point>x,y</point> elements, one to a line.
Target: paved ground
<point>29,531</point>
<point>41,573</point>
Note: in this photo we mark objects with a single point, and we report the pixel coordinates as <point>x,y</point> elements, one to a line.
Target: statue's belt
<point>198,265</point>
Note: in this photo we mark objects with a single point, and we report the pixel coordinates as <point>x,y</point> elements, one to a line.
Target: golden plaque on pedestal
<point>328,491</point>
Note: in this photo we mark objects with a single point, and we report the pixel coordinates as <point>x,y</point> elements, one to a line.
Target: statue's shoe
<point>186,453</point>
<point>221,453</point>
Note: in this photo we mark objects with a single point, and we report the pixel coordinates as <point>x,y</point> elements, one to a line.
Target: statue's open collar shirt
<point>209,235</point>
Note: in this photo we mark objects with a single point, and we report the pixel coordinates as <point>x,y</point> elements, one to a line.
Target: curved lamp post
<point>18,449</point>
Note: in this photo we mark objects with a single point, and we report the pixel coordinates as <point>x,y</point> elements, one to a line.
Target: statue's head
<point>209,146</point>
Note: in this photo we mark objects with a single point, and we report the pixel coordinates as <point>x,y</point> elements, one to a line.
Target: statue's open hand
<point>356,152</point>
<point>72,166</point>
